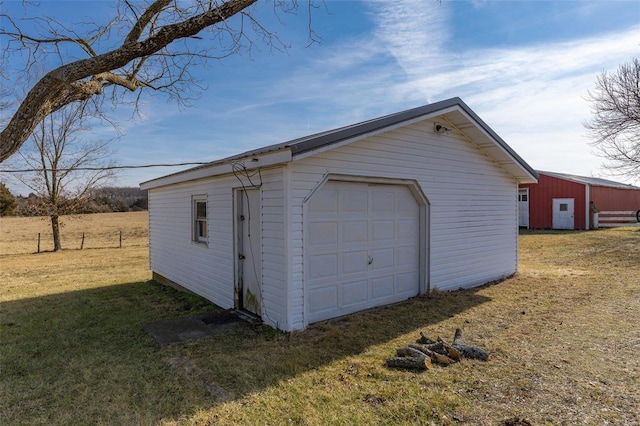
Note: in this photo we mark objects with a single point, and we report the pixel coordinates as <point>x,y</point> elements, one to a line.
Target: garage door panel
<point>382,258</point>
<point>354,232</point>
<point>323,299</point>
<point>365,253</point>
<point>406,256</point>
<point>323,266</point>
<point>355,262</point>
<point>354,292</point>
<point>382,230</point>
<point>405,203</point>
<point>382,202</point>
<point>382,287</point>
<point>405,284</point>
<point>407,228</point>
<point>324,202</point>
<point>323,233</point>
<point>353,201</point>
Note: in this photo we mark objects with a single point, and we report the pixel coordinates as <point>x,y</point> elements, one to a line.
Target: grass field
<point>19,235</point>
<point>563,334</point>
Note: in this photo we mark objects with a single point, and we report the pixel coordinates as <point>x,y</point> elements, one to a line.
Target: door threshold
<point>250,317</point>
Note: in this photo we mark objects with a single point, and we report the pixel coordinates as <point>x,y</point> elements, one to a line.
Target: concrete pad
<point>186,329</point>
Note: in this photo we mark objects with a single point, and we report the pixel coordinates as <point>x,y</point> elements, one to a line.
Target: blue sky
<point>523,66</point>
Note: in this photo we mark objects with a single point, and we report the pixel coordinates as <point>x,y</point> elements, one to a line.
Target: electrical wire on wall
<point>242,173</point>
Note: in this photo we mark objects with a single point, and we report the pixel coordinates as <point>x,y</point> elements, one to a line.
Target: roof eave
<point>508,159</point>
<point>222,167</point>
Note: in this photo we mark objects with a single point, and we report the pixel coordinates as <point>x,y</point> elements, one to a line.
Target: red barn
<point>564,201</point>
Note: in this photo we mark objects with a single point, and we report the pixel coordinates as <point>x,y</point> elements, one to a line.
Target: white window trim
<point>195,237</point>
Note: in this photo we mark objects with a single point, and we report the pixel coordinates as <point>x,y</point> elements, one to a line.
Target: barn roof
<point>585,180</point>
<point>454,112</point>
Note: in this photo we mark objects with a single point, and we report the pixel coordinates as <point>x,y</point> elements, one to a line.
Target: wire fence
<point>100,231</point>
<point>101,241</point>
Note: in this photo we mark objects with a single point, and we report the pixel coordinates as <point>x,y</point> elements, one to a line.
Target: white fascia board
<point>507,159</point>
<point>218,169</point>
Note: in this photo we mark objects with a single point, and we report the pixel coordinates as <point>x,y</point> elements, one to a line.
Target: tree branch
<point>67,84</point>
<point>615,125</point>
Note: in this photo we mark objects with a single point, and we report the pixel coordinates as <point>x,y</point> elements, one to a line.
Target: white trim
<point>263,160</point>
<point>486,141</point>
<point>517,233</point>
<point>587,210</point>
<point>424,224</point>
<point>368,179</point>
<point>506,160</point>
<point>288,250</point>
<point>625,212</point>
<point>195,235</point>
<point>526,191</point>
<point>624,218</point>
<point>237,242</point>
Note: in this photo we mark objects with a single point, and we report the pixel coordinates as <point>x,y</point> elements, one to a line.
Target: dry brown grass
<point>563,334</point>
<point>19,235</point>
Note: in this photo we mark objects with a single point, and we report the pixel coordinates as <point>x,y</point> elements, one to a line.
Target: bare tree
<point>615,125</point>
<point>60,167</point>
<point>158,43</point>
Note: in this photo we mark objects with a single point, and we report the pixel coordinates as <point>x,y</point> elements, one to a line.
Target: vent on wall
<point>440,128</point>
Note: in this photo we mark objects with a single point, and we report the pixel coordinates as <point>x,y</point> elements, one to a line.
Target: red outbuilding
<point>564,201</point>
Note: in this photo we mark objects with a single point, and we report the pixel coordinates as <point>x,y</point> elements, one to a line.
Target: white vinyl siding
<point>210,271</point>
<point>473,203</point>
<point>273,249</point>
<point>205,270</point>
<point>471,218</point>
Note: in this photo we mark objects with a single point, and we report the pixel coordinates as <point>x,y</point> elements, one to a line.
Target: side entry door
<point>523,208</point>
<point>563,213</point>
<point>249,225</point>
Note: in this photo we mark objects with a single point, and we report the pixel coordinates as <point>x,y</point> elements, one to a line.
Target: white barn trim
<point>462,177</point>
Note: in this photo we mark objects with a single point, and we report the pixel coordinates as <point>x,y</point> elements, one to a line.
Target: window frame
<point>197,236</point>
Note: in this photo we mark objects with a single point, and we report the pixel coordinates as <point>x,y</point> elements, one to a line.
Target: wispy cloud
<point>413,31</point>
<point>533,95</point>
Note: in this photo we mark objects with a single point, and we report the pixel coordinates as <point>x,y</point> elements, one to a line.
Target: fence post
<point>82,243</point>
<point>38,242</point>
<point>120,239</point>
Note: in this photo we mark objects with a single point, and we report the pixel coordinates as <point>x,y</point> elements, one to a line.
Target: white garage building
<point>344,220</point>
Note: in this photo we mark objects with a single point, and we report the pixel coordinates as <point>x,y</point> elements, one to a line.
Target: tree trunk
<point>436,357</point>
<point>409,358</point>
<point>467,351</point>
<point>55,228</point>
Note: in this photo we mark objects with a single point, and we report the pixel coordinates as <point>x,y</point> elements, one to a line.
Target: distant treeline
<point>100,200</point>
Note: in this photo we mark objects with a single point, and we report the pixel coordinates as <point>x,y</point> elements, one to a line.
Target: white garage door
<point>362,248</point>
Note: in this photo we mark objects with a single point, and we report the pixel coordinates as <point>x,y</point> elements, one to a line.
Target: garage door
<point>362,248</point>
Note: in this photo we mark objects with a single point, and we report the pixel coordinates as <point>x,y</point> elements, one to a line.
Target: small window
<point>564,207</point>
<point>200,219</point>
<point>524,197</point>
